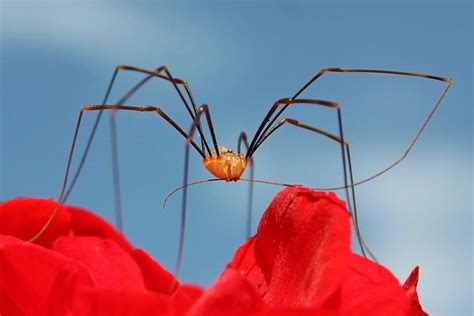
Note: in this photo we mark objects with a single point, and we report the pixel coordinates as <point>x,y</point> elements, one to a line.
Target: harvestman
<point>221,161</point>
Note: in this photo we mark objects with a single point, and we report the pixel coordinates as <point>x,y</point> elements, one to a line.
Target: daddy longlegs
<point>222,162</point>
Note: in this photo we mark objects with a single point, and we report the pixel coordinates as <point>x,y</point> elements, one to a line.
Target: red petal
<point>85,223</point>
<point>155,276</point>
<point>369,289</point>
<point>300,253</point>
<point>301,312</point>
<point>114,302</point>
<point>108,263</point>
<point>184,297</point>
<point>230,295</point>
<point>24,217</point>
<point>8,307</point>
<point>409,287</point>
<point>63,293</point>
<point>28,273</point>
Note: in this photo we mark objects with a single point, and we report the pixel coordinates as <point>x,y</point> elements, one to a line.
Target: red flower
<point>298,263</point>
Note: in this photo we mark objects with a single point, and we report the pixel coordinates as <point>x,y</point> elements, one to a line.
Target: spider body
<point>228,165</point>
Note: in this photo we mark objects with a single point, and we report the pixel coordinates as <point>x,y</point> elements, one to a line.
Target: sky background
<point>239,57</point>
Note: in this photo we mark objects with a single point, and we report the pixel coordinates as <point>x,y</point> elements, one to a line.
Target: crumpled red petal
<point>409,287</point>
<point>64,291</point>
<point>28,272</point>
<point>369,289</point>
<point>7,306</point>
<point>85,223</point>
<point>109,264</point>
<point>230,295</point>
<point>24,217</point>
<point>300,312</point>
<point>184,297</point>
<point>73,280</point>
<point>298,263</point>
<point>119,302</point>
<point>155,276</point>
<point>300,253</point>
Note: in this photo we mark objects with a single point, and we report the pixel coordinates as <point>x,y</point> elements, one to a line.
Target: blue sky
<point>239,57</point>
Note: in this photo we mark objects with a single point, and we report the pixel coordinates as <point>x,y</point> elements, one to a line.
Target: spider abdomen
<point>227,166</point>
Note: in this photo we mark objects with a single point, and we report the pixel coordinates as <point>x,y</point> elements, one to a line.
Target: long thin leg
<point>113,133</point>
<point>74,140</point>
<point>114,153</point>
<point>257,139</point>
<point>145,108</point>
<point>370,71</point>
<point>189,141</point>
<point>113,130</point>
<point>122,100</point>
<point>66,175</point>
<point>362,243</point>
<point>115,171</point>
<point>268,121</point>
<point>151,74</point>
<point>204,109</point>
<point>176,82</point>
<point>243,139</point>
<point>298,124</point>
<point>184,200</point>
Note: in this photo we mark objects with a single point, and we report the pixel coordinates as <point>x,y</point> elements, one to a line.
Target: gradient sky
<point>239,57</point>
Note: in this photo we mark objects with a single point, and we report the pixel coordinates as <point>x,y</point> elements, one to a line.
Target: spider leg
<point>158,73</point>
<point>361,241</point>
<point>176,82</point>
<point>298,124</point>
<point>269,122</point>
<point>189,141</point>
<point>115,171</point>
<point>243,139</point>
<point>74,140</point>
<point>256,141</point>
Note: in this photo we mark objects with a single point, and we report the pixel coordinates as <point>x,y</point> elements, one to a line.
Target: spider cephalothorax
<point>227,165</point>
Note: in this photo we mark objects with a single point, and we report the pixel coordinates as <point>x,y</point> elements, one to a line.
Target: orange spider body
<point>228,165</point>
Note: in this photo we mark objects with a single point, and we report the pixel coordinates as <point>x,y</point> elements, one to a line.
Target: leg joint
<point>149,108</point>
<point>123,67</point>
